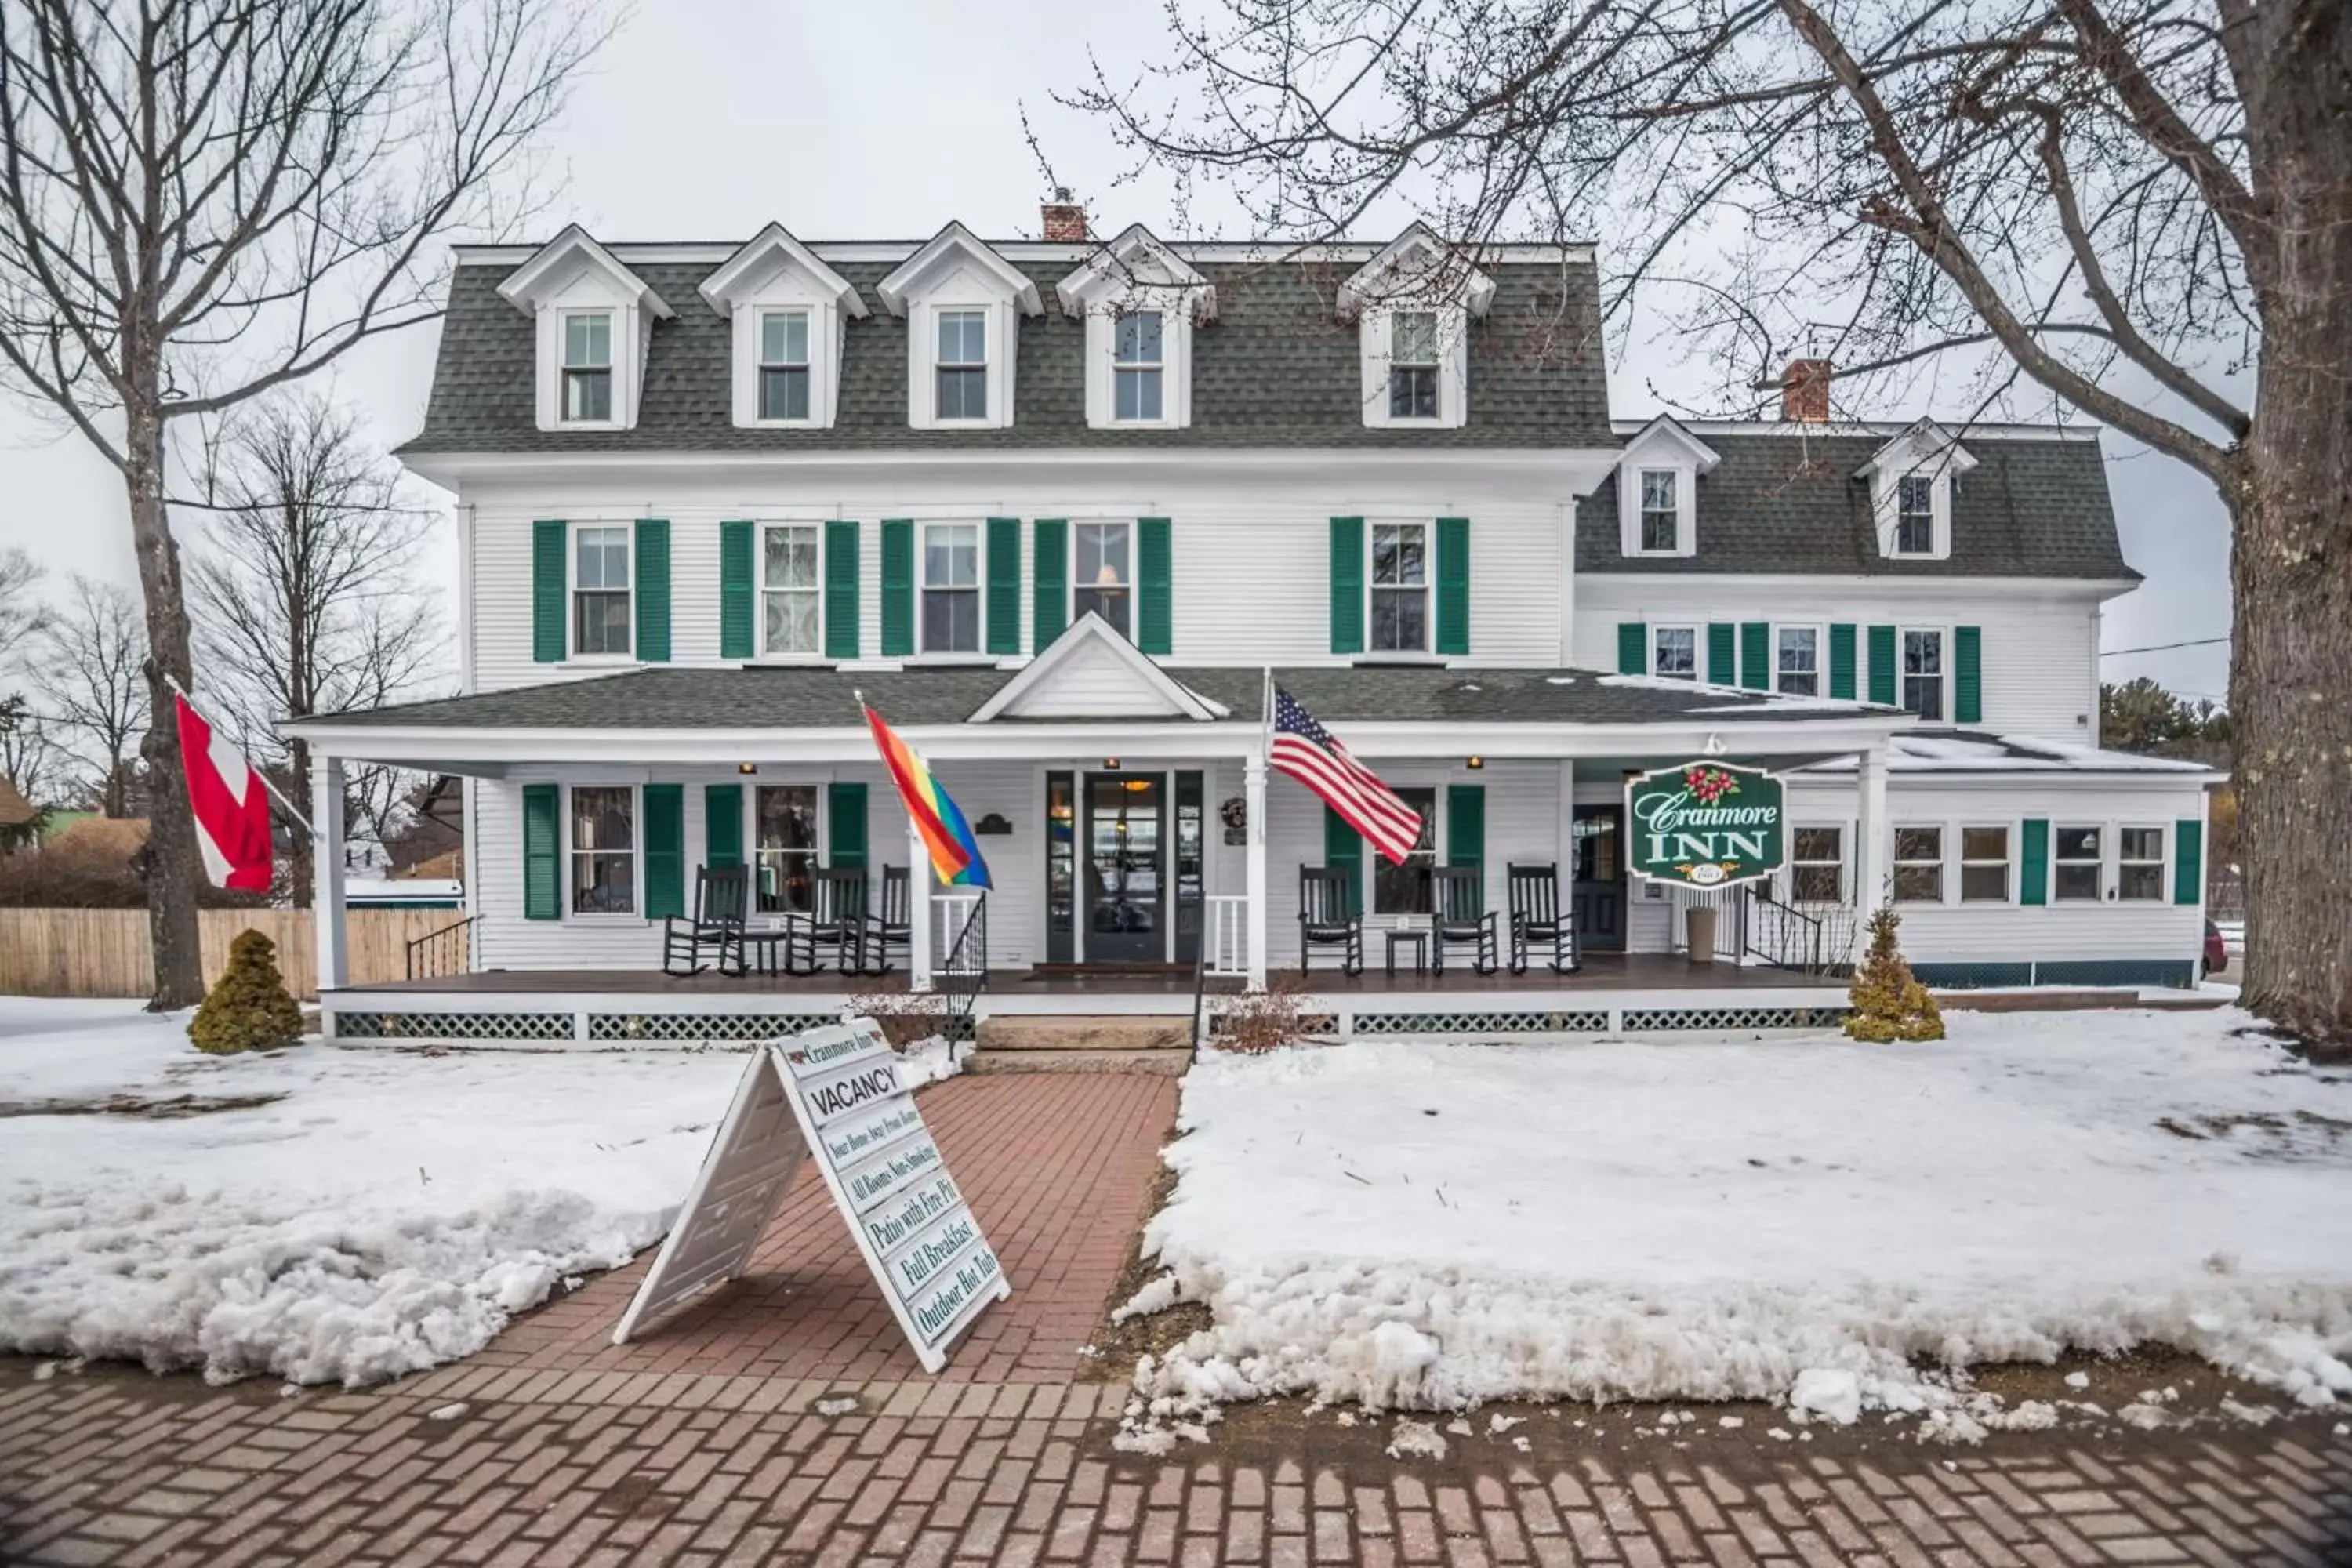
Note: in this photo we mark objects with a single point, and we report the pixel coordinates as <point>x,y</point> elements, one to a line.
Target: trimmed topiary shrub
<point>1889,1003</point>
<point>250,1008</point>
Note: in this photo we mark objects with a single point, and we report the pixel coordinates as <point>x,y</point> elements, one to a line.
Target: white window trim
<point>1820,656</point>
<point>749,833</point>
<point>1924,448</point>
<point>759,589</point>
<point>630,328</point>
<point>2116,863</point>
<point>1698,677</point>
<point>1939,516</point>
<point>1684,478</point>
<point>1661,446</point>
<point>923,353</point>
<point>1945,890</point>
<point>1134,593</point>
<point>1426,653</point>
<point>1175,360</point>
<point>571,654</point>
<point>2109,844</point>
<point>1373,330</point>
<point>824,334</point>
<point>1943,658</point>
<point>571,275</point>
<point>2013,843</point>
<point>1845,863</point>
<point>978,653</point>
<point>635,914</point>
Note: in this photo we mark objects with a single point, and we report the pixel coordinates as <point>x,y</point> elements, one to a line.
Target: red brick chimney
<point>1805,391</point>
<point>1066,220</point>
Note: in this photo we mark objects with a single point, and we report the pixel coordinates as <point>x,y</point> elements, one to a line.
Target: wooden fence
<point>104,953</point>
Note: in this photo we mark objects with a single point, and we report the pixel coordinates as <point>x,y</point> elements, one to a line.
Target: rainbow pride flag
<point>955,853</point>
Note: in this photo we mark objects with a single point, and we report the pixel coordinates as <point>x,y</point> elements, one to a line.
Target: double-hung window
<point>2139,863</point>
<point>1400,587</point>
<point>1413,364</point>
<point>1797,661</point>
<point>1918,865</point>
<point>962,367</point>
<point>600,591</point>
<point>604,851</point>
<point>1662,517</point>
<point>1914,515</point>
<point>2076,859</point>
<point>950,587</point>
<point>1817,866</point>
<point>789,588</point>
<point>1984,865</point>
<point>783,365</point>
<point>1674,652</point>
<point>1922,675</point>
<point>1404,889</point>
<point>785,847</point>
<point>1103,579</point>
<point>1136,367</point>
<point>588,367</point>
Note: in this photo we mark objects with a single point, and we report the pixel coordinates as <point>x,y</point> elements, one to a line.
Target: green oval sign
<point>1705,825</point>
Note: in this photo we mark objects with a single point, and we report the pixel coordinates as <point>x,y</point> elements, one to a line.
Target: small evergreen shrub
<point>1889,1003</point>
<point>249,1008</point>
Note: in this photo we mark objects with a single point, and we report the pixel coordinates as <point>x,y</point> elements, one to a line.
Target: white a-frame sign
<point>834,1093</point>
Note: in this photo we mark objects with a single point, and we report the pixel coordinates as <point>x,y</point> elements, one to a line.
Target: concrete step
<point>1073,1032</point>
<point>1160,1063</point>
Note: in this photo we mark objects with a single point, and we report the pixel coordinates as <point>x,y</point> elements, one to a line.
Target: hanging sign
<point>1705,825</point>
<point>850,1112</point>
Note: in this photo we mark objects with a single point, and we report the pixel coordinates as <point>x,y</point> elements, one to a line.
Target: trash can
<point>1699,932</point>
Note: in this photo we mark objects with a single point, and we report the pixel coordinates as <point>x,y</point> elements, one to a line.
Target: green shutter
<point>1842,663</point>
<point>1347,585</point>
<point>844,806</point>
<point>1155,570</point>
<point>736,636</point>
<point>1882,666</point>
<point>1454,586</point>
<point>1465,825</point>
<point>665,810</point>
<point>1343,847</point>
<point>840,589</point>
<point>897,588</point>
<point>1632,648</point>
<point>1049,593</point>
<point>1003,634</point>
<point>653,590</point>
<point>542,886</point>
<point>1756,655</point>
<point>548,641</point>
<point>1968,675</point>
<point>2033,863</point>
<point>1723,653</point>
<point>722,825</point>
<point>2188,861</point>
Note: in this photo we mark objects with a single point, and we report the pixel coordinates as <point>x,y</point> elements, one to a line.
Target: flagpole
<point>283,804</point>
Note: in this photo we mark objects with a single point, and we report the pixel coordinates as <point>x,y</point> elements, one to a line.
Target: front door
<point>1597,893</point>
<point>1124,871</point>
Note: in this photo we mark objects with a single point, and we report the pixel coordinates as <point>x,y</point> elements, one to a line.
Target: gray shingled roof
<point>1785,502</point>
<point>700,698</point>
<point>1275,369</point>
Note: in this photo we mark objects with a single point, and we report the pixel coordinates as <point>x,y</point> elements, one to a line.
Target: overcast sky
<point>705,120</point>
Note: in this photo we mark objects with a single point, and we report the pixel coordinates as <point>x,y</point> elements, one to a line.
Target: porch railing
<point>1817,939</point>
<point>449,950</point>
<point>1225,944</point>
<point>959,933</point>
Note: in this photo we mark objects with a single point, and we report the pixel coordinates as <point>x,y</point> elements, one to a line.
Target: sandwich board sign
<point>833,1095</point>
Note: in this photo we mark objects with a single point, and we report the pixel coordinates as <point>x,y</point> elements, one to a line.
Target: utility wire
<point>2163,647</point>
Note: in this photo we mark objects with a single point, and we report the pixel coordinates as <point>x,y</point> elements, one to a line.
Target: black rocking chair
<point>721,895</point>
<point>1459,917</point>
<point>894,926</point>
<point>1537,919</point>
<point>838,919</point>
<point>1328,916</point>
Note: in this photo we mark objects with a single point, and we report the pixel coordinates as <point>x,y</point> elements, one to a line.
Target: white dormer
<point>788,311</point>
<point>1657,489</point>
<point>1911,480</point>
<point>1139,301</point>
<point>963,304</point>
<point>595,321</point>
<point>1412,304</point>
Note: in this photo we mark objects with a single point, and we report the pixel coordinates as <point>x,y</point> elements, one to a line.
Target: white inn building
<point>1056,508</point>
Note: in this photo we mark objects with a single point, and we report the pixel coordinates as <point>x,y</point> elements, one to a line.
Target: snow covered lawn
<point>1424,1225</point>
<point>320,1214</point>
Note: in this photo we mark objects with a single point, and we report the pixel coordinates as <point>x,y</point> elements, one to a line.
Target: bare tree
<point>22,613</point>
<point>30,757</point>
<point>303,584</point>
<point>203,199</point>
<point>2127,203</point>
<point>91,661</point>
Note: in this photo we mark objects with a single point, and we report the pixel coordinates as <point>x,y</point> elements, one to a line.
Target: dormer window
<point>1137,368</point>
<point>784,365</point>
<point>1412,304</point>
<point>1914,515</point>
<point>1661,512</point>
<point>961,366</point>
<point>588,367</point>
<point>1413,366</point>
<point>963,303</point>
<point>594,319</point>
<point>786,309</point>
<point>1139,301</point>
<point>1657,489</point>
<point>1912,480</point>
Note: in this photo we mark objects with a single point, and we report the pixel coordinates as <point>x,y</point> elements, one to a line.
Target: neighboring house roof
<point>1783,500</point>
<point>1977,752</point>
<point>14,809</point>
<point>821,699</point>
<point>1277,369</point>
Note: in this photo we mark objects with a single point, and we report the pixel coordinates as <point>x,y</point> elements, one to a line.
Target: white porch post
<point>1870,840</point>
<point>918,912</point>
<point>1254,804</point>
<point>327,873</point>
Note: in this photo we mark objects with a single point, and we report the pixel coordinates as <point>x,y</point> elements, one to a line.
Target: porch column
<point>1254,804</point>
<point>1870,840</point>
<point>327,873</point>
<point>918,912</point>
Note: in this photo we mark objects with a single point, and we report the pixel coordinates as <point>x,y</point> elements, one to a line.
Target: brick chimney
<point>1066,220</point>
<point>1805,391</point>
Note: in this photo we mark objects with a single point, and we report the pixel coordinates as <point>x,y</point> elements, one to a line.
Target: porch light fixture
<point>1476,763</point>
<point>747,767</point>
<point>1110,764</point>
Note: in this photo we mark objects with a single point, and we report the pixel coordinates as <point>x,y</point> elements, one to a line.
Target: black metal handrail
<point>967,960</point>
<point>1799,940</point>
<point>448,949</point>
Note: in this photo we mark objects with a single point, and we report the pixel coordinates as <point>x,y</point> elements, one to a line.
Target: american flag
<point>1306,752</point>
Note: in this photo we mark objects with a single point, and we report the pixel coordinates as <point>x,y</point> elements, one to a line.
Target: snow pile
<point>1427,1227</point>
<point>356,1214</point>
<point>930,1059</point>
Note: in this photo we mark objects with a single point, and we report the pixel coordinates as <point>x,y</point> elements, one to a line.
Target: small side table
<point>1415,935</point>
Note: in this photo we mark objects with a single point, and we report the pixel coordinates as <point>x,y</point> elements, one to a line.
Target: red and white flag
<point>230,803</point>
<point>1309,752</point>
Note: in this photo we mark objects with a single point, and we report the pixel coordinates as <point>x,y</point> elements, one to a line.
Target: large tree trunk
<point>174,871</point>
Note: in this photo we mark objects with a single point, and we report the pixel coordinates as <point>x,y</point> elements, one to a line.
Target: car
<point>2217,952</point>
